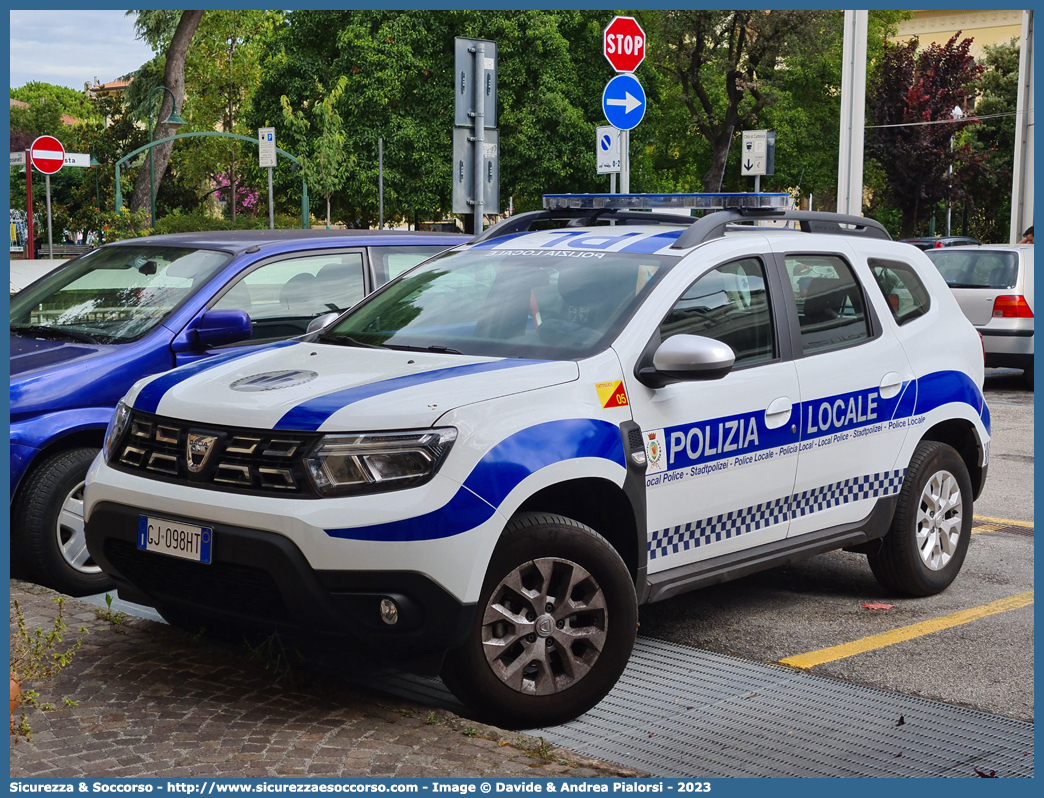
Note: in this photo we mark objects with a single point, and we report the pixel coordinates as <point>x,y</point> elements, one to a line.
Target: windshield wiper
<point>346,340</point>
<point>433,348</point>
<point>42,330</point>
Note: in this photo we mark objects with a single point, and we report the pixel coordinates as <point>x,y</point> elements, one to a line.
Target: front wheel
<point>555,627</point>
<point>926,545</point>
<point>48,526</point>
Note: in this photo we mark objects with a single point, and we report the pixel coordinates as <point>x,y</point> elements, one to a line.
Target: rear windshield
<point>543,304</point>
<point>114,294</point>
<point>965,268</point>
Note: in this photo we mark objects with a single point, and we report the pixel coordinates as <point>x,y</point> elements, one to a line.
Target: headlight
<point>378,461</point>
<point>116,428</point>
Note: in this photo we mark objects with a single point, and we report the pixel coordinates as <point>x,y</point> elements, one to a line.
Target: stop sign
<point>624,44</point>
<point>48,154</point>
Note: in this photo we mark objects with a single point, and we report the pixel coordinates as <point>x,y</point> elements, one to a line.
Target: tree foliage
<point>326,164</point>
<point>399,70</point>
<point>68,101</point>
<point>910,107</point>
<point>994,140</point>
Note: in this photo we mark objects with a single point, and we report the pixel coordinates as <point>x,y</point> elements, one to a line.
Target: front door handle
<point>778,412</point>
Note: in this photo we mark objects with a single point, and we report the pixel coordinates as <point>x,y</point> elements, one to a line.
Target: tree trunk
<point>173,79</point>
<point>716,174</point>
<point>327,211</point>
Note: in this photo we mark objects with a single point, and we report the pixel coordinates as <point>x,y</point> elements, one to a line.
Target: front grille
<point>267,462</point>
<point>251,592</point>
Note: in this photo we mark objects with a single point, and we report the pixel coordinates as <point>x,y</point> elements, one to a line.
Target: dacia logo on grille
<point>197,451</point>
<point>271,380</point>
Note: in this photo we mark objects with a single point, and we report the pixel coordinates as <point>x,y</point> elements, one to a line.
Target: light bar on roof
<point>652,202</point>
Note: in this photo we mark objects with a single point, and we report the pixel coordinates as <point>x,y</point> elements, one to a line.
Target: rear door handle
<point>778,412</point>
<point>891,384</point>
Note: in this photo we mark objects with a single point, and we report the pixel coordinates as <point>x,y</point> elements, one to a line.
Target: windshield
<point>537,303</point>
<point>114,294</point>
<point>963,268</point>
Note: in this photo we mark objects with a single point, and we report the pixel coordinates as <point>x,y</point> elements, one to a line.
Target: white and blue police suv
<point>485,467</point>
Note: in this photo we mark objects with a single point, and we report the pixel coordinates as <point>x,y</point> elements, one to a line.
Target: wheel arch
<point>72,439</point>
<point>963,436</point>
<point>607,509</point>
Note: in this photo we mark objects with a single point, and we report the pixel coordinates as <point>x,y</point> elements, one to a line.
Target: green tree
<point>399,67</point>
<point>69,101</point>
<point>326,164</point>
<point>726,67</point>
<point>154,26</point>
<point>994,139</point>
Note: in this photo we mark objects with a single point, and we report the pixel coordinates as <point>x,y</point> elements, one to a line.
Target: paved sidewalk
<point>154,701</point>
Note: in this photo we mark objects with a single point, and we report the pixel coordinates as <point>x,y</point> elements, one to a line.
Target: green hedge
<point>178,222</point>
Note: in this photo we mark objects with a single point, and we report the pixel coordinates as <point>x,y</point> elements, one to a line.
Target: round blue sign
<point>623,102</point>
<point>607,142</point>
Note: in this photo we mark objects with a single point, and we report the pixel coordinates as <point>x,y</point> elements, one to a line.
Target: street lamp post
<point>95,166</point>
<point>172,121</point>
<point>955,114</point>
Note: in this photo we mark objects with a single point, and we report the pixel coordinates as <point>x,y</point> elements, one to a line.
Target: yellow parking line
<point>1002,521</point>
<point>813,658</point>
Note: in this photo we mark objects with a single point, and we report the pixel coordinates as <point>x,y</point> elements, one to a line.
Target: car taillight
<point>938,244</point>
<point>1011,307</point>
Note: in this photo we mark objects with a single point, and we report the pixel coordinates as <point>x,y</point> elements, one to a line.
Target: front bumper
<point>263,580</point>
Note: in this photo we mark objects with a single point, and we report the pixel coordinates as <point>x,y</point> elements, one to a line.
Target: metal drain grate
<point>1025,531</point>
<point>679,711</point>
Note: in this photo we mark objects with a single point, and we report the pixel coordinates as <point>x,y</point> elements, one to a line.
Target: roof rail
<point>714,224</point>
<point>577,217</point>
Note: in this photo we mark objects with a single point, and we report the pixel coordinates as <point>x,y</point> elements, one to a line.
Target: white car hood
<point>309,386</point>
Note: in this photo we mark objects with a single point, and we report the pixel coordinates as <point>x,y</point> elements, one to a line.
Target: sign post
<point>475,107</point>
<point>266,155</point>
<point>48,155</point>
<point>607,154</point>
<point>758,156</point>
<point>623,44</point>
<point>30,228</point>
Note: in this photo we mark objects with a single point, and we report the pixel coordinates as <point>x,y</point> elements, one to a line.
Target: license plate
<point>175,538</point>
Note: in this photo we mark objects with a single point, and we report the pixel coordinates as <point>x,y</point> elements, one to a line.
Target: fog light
<point>389,612</point>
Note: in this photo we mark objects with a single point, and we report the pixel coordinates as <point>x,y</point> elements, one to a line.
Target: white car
<point>485,467</point>
<point>993,284</point>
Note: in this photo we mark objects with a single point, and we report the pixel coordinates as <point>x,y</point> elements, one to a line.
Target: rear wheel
<point>1027,376</point>
<point>926,545</point>
<point>48,525</point>
<point>556,623</point>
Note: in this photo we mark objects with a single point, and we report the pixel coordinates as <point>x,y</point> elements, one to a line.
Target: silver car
<point>993,285</point>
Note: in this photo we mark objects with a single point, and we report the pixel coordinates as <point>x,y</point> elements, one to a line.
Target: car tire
<point>1027,377</point>
<point>931,528</point>
<point>517,678</point>
<point>48,525</point>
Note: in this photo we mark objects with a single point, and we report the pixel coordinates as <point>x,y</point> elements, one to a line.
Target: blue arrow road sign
<point>623,102</point>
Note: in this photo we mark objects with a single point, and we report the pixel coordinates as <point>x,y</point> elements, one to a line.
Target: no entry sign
<point>624,44</point>
<point>48,154</point>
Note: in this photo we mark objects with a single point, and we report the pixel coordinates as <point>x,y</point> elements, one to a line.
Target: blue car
<point>83,334</point>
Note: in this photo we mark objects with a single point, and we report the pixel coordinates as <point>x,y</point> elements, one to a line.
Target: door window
<point>729,304</point>
<point>830,305</point>
<point>282,297</point>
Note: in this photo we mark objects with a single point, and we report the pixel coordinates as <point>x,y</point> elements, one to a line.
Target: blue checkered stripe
<point>694,534</point>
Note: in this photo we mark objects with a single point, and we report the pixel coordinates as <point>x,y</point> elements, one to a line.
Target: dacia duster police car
<point>490,463</point>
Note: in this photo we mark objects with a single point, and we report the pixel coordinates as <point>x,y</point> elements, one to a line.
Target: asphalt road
<point>985,664</point>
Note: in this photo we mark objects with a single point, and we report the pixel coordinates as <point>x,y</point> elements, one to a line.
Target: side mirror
<point>684,358</point>
<point>319,322</point>
<point>214,328</point>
